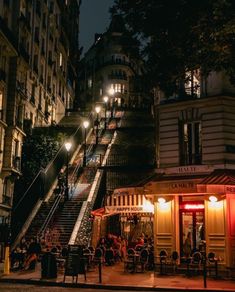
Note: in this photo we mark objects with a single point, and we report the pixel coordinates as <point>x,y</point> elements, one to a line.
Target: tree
<point>181,35</point>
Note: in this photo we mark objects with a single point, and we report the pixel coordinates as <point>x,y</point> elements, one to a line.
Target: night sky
<point>94,18</point>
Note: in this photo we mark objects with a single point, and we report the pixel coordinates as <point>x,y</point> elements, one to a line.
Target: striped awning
<point>221,181</point>
<point>220,177</point>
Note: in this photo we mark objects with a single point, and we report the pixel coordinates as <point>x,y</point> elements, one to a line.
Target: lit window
<point>190,143</point>
<point>89,83</point>
<point>192,84</point>
<point>1,100</point>
<point>61,60</point>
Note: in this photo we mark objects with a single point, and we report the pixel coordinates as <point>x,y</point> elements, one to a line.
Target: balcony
<point>16,163</point>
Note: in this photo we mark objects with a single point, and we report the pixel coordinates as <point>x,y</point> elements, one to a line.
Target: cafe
<point>127,213</point>
<point>195,203</point>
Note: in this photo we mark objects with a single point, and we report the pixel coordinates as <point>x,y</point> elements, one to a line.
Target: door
<point>192,229</point>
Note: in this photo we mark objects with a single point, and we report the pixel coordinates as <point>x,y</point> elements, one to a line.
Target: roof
<point>220,177</point>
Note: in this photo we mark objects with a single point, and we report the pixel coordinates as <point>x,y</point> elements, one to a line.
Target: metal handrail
<point>50,214</point>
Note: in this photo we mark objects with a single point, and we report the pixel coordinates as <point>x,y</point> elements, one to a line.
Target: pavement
<point>114,277</point>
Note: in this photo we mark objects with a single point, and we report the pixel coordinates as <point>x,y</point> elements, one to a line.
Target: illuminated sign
<point>193,207</point>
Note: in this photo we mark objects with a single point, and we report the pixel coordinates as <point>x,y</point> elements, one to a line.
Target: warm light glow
<point>68,146</point>
<point>193,206</point>
<point>161,200</point>
<point>85,124</point>
<point>97,109</point>
<point>105,98</point>
<point>148,206</point>
<point>164,207</point>
<point>111,91</point>
<point>213,199</point>
<point>215,205</point>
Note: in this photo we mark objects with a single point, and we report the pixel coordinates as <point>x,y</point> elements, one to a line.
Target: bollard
<point>100,271</point>
<point>7,261</point>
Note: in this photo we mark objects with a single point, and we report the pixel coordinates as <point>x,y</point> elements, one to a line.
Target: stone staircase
<point>40,217</point>
<point>61,226</point>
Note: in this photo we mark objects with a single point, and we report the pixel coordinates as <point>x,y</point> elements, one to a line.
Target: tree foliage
<point>181,35</point>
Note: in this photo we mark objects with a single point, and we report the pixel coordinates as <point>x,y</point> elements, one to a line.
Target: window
<point>190,143</point>
<point>192,84</point>
<point>61,60</point>
<point>118,87</point>
<point>89,83</point>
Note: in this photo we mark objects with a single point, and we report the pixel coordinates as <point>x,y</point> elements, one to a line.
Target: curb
<point>108,286</point>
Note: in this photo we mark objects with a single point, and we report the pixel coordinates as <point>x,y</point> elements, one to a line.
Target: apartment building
<point>110,68</point>
<point>39,53</point>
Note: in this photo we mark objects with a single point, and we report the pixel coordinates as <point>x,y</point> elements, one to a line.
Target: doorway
<point>192,226</point>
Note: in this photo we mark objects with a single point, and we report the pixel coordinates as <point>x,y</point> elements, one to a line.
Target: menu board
<point>74,264</point>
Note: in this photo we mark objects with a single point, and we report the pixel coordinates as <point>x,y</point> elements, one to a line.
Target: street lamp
<point>68,146</point>
<point>97,109</point>
<point>105,98</point>
<point>111,92</point>
<point>85,125</point>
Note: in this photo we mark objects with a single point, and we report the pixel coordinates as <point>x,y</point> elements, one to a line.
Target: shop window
<point>190,143</point>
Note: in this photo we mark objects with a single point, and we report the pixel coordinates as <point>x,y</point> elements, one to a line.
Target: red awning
<point>98,212</point>
<point>220,177</point>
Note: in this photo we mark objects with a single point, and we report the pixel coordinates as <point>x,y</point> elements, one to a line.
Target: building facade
<point>193,192</point>
<point>110,68</point>
<point>38,73</point>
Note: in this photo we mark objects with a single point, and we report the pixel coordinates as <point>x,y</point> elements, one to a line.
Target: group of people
<point>26,254</point>
<point>120,245</point>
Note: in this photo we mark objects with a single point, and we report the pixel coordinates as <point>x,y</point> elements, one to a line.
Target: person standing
<point>187,248</point>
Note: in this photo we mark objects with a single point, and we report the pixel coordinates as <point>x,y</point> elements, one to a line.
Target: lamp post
<point>97,109</point>
<point>105,98</point>
<point>111,93</point>
<point>85,125</point>
<point>68,146</point>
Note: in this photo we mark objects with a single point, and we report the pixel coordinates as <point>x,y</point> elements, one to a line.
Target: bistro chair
<point>195,265</point>
<point>142,263</point>
<point>212,264</point>
<point>98,257</point>
<point>129,262</point>
<point>174,260</point>
<point>109,257</point>
<point>163,260</point>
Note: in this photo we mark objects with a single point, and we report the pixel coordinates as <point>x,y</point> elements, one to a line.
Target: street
<point>8,287</point>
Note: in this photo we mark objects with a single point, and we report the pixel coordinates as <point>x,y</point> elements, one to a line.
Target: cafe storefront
<point>127,213</point>
<point>198,205</point>
<point>197,201</point>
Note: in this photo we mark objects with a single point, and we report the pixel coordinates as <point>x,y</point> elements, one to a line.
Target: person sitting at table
<point>32,254</point>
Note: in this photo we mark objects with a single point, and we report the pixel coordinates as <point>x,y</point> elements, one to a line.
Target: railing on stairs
<point>42,230</point>
<point>40,186</point>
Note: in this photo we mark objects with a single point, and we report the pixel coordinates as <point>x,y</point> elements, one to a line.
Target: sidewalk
<point>113,277</point>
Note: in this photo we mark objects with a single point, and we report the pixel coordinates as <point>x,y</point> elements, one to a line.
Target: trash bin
<point>48,266</point>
